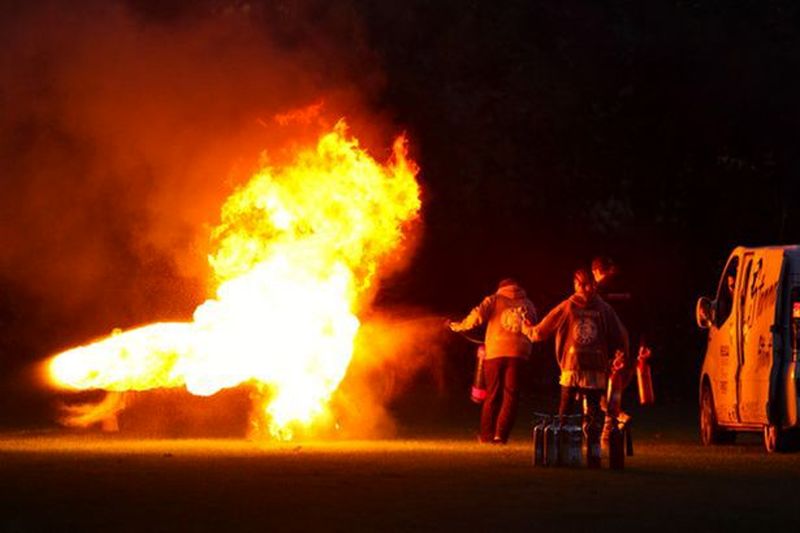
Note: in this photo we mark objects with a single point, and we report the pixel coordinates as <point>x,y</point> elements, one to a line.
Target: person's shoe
<point>498,440</point>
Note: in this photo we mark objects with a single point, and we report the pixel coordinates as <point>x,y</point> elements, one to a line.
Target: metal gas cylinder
<point>593,452</point>
<point>624,420</point>
<point>571,441</point>
<point>540,421</point>
<point>552,433</point>
<point>616,446</point>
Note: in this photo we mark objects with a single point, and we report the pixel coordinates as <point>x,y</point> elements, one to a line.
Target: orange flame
<point>297,251</point>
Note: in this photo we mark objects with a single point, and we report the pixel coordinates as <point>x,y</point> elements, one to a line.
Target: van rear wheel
<point>780,440</point>
<point>710,432</point>
<point>772,438</point>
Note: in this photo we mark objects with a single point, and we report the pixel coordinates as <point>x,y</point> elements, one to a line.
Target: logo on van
<point>760,296</point>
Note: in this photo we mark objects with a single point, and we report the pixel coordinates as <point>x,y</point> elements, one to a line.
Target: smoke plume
<point>125,125</point>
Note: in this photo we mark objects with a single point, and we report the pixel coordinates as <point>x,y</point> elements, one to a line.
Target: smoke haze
<point>125,125</point>
<point>123,132</point>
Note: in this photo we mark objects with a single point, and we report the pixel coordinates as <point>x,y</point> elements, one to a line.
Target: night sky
<point>660,133</point>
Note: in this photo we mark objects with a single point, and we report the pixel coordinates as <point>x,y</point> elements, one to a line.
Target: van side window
<point>727,288</point>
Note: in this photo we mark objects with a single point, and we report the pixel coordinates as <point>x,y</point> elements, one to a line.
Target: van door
<point>723,348</point>
<point>759,301</point>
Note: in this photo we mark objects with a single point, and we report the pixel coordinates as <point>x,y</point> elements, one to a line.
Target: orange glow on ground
<point>112,445</point>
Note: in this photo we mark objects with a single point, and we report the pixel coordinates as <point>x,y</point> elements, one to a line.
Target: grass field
<point>54,481</point>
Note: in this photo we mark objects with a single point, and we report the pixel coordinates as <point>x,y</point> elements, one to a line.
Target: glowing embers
<point>297,250</point>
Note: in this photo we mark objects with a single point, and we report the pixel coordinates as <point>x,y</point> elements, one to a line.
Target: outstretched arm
<point>476,317</point>
<point>546,327</point>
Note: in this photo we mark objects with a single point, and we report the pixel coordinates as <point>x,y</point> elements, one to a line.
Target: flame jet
<point>298,251</point>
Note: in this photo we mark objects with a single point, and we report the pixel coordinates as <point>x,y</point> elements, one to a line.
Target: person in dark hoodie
<point>613,289</point>
<point>588,334</point>
<point>503,313</point>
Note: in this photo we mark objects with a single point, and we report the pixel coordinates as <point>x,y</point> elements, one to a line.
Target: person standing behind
<point>503,312</point>
<point>588,334</point>
<point>612,288</point>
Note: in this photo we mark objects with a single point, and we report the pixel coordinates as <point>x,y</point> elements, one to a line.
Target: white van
<point>749,378</point>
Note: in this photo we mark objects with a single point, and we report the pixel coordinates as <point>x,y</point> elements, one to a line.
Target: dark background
<point>660,133</point>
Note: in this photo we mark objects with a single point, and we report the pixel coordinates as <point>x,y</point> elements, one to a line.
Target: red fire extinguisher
<point>795,324</point>
<point>478,391</point>
<point>644,377</point>
<point>616,384</point>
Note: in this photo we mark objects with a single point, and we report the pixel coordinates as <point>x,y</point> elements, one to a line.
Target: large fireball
<point>298,251</point>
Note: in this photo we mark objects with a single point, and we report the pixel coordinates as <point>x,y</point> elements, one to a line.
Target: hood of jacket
<point>512,291</point>
<point>581,301</point>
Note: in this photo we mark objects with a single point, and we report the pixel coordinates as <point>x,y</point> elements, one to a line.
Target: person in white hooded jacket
<point>507,347</point>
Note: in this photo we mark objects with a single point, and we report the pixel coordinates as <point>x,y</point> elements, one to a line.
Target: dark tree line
<point>661,133</point>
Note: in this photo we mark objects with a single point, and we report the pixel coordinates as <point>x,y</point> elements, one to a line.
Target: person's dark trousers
<point>502,396</point>
<point>591,420</point>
